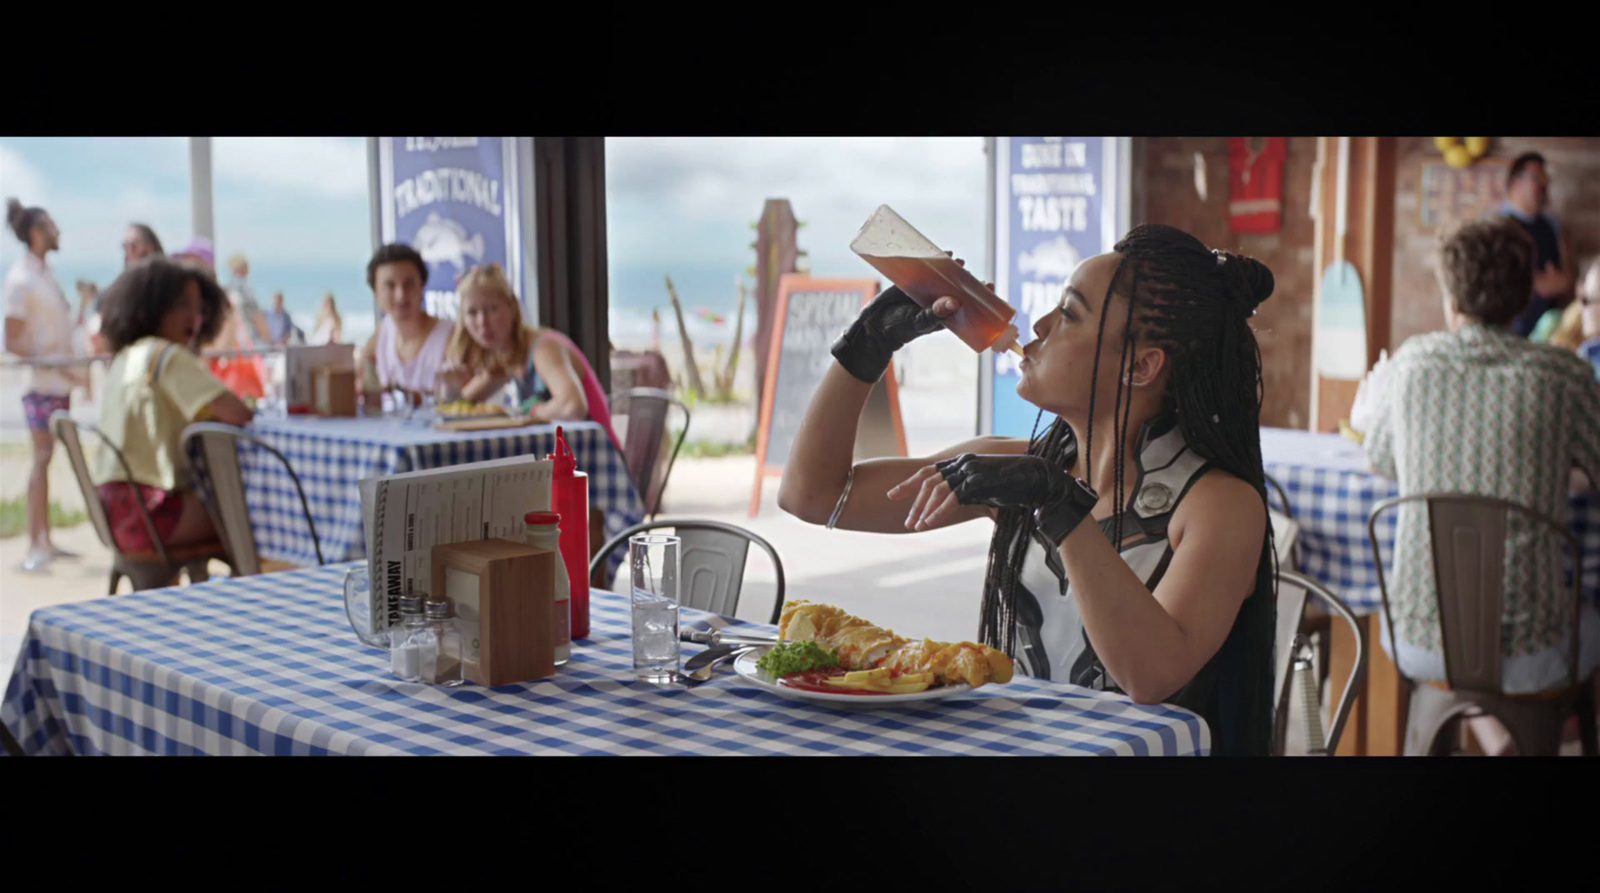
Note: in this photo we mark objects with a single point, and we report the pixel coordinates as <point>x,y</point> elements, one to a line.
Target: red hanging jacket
<point>1255,200</point>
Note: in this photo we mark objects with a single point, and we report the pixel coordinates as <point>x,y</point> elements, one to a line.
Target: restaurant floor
<point>923,585</point>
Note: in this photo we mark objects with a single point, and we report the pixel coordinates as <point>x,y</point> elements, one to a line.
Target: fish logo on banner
<point>442,241</point>
<point>1052,260</point>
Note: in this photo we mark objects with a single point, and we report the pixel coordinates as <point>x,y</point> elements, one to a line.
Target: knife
<point>718,637</point>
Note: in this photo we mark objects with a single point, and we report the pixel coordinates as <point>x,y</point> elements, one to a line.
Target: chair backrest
<point>69,434</point>
<point>713,558</point>
<point>1291,612</point>
<point>214,451</point>
<point>1294,593</point>
<point>66,434</point>
<point>1285,538</point>
<point>646,411</point>
<point>1467,534</point>
<point>1283,495</point>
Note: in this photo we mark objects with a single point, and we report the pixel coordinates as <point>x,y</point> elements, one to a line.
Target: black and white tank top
<point>1050,640</point>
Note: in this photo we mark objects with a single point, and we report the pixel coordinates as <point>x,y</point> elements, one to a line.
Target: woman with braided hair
<point>1153,373</point>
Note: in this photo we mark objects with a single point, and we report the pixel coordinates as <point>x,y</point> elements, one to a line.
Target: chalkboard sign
<point>811,313</point>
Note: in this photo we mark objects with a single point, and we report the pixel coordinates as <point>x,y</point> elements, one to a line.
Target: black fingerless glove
<point>884,326</point>
<point>1059,501</point>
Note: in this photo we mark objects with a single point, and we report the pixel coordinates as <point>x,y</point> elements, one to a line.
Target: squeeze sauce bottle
<point>569,498</point>
<point>926,274</point>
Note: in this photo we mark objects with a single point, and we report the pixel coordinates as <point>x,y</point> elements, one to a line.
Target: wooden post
<point>1373,248</point>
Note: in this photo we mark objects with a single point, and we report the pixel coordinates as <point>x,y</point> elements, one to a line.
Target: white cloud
<point>833,184</point>
<point>699,175</point>
<point>21,180</point>
<point>332,167</point>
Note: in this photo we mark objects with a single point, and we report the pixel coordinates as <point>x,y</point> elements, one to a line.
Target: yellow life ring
<point>1462,151</point>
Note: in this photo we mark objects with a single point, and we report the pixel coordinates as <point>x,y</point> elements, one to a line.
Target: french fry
<point>906,688</point>
<point>867,677</point>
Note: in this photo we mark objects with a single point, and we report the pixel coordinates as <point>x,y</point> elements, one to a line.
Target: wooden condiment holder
<point>503,596</point>
<point>333,391</point>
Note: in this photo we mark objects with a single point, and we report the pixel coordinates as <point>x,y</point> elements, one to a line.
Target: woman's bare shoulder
<point>1220,495</point>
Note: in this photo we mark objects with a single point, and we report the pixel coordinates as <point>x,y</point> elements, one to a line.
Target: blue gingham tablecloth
<point>331,455</point>
<point>1332,493</point>
<point>268,665</point>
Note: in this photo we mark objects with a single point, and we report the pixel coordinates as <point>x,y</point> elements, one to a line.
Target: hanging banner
<point>455,200</point>
<point>1056,201</point>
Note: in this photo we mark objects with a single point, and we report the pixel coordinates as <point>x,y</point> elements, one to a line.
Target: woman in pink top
<point>492,349</point>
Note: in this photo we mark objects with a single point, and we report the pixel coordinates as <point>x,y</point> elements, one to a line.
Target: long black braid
<point>1195,304</point>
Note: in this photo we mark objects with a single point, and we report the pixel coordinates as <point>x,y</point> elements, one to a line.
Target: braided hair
<point>1195,304</point>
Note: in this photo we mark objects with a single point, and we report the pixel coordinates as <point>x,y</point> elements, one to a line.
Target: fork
<point>704,673</point>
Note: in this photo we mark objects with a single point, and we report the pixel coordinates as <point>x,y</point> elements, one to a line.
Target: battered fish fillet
<point>861,645</point>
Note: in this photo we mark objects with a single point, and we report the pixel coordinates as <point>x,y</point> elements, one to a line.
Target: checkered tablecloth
<point>268,665</point>
<point>1332,493</point>
<point>331,455</point>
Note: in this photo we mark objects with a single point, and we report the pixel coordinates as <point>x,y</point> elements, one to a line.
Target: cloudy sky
<point>680,206</point>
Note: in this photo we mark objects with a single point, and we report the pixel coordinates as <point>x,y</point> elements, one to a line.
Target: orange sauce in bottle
<point>925,273</point>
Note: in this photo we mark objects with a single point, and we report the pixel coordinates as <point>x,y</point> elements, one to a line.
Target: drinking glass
<point>654,562</point>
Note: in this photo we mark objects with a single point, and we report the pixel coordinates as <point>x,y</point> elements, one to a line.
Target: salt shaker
<point>439,646</point>
<point>403,660</point>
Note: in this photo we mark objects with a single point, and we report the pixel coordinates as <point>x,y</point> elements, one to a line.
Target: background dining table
<point>331,455</point>
<point>267,664</point>
<point>1332,492</point>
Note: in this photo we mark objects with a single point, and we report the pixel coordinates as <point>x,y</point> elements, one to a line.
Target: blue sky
<point>298,208</point>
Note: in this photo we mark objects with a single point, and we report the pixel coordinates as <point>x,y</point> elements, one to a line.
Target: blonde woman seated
<point>492,351</point>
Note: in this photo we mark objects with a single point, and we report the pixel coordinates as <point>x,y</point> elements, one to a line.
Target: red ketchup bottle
<point>569,497</point>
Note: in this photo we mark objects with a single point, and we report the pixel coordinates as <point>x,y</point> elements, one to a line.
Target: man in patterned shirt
<point>1477,409</point>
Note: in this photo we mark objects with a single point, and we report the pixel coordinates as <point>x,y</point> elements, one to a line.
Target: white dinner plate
<point>745,666</point>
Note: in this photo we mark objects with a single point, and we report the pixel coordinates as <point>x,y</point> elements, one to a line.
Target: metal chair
<point>1283,495</point>
<point>1286,530</point>
<point>713,555</point>
<point>1468,542</point>
<point>214,451</point>
<point>145,570</point>
<point>646,409</point>
<point>1292,662</point>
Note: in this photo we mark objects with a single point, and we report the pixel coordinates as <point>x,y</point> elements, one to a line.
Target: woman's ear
<point>1148,364</point>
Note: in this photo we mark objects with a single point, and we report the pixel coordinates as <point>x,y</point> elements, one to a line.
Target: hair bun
<point>14,211</point>
<point>1249,280</point>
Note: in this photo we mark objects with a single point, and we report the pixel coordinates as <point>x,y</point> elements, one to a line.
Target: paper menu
<point>406,515</point>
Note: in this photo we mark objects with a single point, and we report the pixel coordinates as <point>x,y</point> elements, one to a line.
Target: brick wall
<point>1164,192</point>
<point>1574,165</point>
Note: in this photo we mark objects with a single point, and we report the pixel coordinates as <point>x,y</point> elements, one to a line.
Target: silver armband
<point>843,497</point>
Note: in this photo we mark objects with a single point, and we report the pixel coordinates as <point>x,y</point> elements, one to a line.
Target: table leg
<point>1386,697</point>
<point>1341,659</point>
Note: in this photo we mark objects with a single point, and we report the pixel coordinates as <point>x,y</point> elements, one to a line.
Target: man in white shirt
<point>39,324</point>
